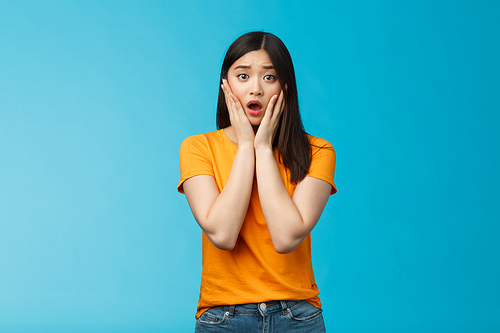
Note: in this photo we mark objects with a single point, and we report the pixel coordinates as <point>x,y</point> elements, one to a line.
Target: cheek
<point>276,90</point>
<point>235,88</point>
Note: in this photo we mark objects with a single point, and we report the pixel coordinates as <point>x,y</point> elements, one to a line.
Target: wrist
<point>245,145</point>
<point>264,149</point>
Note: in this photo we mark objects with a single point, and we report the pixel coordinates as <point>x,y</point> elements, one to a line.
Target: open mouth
<point>254,107</point>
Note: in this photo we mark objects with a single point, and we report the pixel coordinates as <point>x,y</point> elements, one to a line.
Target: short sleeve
<point>323,162</point>
<point>194,159</point>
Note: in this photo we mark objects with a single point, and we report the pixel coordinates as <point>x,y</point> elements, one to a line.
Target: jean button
<point>262,306</point>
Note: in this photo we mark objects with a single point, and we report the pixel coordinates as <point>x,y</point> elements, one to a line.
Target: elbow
<point>221,238</point>
<point>223,242</point>
<point>286,241</point>
<point>226,246</point>
<point>284,246</point>
<point>285,249</point>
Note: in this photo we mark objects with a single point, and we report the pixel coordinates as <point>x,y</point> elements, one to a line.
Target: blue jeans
<point>269,317</point>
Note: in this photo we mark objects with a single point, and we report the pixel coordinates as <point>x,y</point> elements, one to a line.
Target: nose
<point>256,89</point>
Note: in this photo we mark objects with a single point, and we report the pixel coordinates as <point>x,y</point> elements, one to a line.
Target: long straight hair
<point>294,150</point>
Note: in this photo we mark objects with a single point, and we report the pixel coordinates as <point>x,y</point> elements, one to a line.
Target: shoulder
<point>323,160</point>
<point>318,143</point>
<point>214,135</point>
<point>201,140</point>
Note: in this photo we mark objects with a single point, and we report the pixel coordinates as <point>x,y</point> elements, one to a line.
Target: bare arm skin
<point>289,219</point>
<point>221,215</point>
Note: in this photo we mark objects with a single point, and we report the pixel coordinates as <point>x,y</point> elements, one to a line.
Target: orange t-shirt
<point>253,271</point>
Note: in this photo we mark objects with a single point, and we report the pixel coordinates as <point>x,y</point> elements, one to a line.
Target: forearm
<point>223,222</point>
<point>283,219</point>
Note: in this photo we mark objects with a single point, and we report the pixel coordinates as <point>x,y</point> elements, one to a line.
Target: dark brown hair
<point>291,139</point>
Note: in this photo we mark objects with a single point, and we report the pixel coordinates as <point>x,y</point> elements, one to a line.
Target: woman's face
<point>253,81</point>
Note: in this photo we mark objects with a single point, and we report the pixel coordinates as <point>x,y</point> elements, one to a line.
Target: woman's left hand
<point>267,129</point>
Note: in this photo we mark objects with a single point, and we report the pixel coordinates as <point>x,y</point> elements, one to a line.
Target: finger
<point>227,88</point>
<point>234,105</point>
<point>270,110</point>
<point>226,84</point>
<point>224,90</point>
<point>237,115</point>
<point>230,107</point>
<point>238,107</point>
<point>278,109</point>
<point>270,106</point>
<point>229,100</point>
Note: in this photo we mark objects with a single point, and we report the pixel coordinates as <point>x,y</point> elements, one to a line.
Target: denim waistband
<point>262,308</point>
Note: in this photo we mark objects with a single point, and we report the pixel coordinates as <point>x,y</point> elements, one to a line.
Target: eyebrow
<point>247,66</point>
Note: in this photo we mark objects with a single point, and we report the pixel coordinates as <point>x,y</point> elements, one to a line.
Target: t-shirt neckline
<point>226,138</point>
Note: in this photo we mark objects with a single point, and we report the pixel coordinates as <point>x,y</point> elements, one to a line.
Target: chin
<point>256,122</point>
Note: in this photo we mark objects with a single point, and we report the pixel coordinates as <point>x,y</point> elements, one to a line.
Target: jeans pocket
<point>213,317</point>
<point>303,311</point>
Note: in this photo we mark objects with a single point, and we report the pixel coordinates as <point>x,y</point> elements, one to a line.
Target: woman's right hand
<point>239,120</point>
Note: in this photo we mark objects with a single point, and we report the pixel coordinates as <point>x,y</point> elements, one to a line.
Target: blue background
<point>96,97</point>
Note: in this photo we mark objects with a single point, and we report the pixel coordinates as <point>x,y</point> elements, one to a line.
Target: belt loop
<point>231,311</point>
<point>284,306</point>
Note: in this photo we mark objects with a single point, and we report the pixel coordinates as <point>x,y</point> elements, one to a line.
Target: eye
<point>269,78</point>
<point>243,76</point>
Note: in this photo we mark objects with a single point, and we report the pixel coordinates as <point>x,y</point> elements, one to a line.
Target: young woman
<point>257,187</point>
